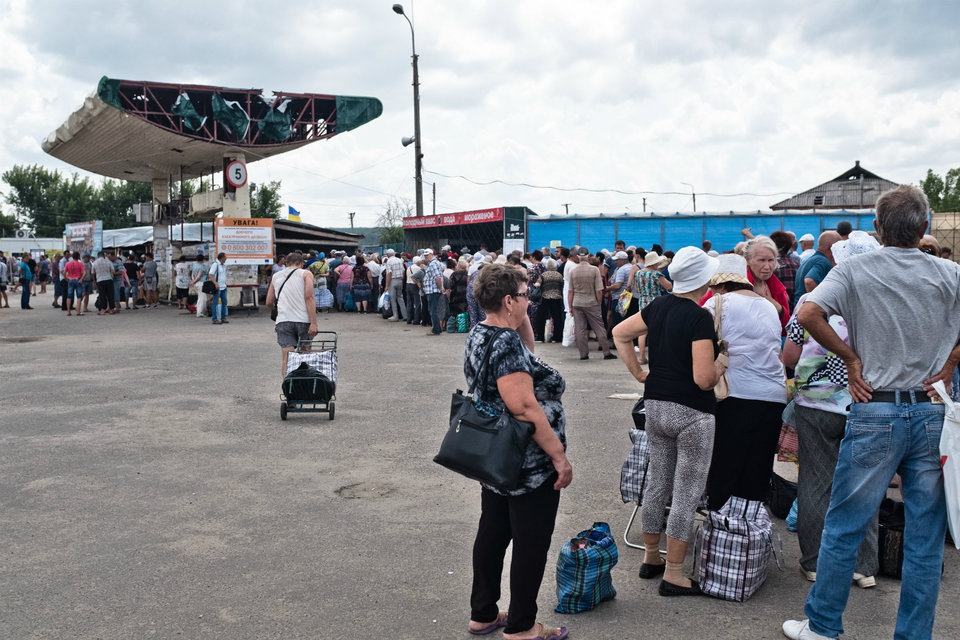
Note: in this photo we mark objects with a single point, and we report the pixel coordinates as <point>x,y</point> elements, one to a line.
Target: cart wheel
<point>283,410</point>
<point>333,406</point>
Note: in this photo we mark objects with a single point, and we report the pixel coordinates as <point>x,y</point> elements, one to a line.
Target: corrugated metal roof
<point>856,188</point>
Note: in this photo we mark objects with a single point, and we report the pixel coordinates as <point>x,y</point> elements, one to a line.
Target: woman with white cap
<point>749,419</point>
<point>680,403</point>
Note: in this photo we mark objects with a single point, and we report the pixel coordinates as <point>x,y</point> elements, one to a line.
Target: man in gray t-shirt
<point>903,315</point>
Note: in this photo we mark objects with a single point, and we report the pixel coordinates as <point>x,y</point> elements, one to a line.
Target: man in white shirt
<point>394,285</point>
<point>573,259</point>
<point>218,274</point>
<point>806,244</point>
<point>291,292</point>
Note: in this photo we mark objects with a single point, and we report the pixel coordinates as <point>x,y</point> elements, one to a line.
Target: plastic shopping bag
<point>950,460</point>
<point>569,334</point>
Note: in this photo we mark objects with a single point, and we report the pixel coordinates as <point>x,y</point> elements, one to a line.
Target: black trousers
<point>744,444</point>
<point>552,309</point>
<point>105,288</point>
<point>528,520</point>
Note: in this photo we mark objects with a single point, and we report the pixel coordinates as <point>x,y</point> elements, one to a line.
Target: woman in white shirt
<point>749,420</point>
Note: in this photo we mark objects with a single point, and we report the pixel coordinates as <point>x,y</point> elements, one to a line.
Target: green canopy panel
<point>353,111</point>
<point>276,124</point>
<point>230,114</point>
<point>184,108</point>
<point>109,91</point>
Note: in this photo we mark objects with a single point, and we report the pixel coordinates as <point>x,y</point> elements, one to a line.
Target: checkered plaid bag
<point>736,544</point>
<point>583,570</point>
<point>323,361</point>
<point>633,475</point>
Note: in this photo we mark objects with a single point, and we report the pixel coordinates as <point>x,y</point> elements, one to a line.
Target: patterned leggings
<point>681,444</point>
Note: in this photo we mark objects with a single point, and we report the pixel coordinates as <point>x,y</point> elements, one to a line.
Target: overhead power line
<point>484,183</point>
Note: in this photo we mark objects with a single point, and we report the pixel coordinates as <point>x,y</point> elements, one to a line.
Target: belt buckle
<point>936,399</point>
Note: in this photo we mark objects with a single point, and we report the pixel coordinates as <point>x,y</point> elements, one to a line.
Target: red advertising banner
<point>450,219</point>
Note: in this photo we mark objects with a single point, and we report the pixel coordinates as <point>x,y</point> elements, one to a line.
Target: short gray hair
<point>550,264</point>
<point>759,241</point>
<point>902,216</point>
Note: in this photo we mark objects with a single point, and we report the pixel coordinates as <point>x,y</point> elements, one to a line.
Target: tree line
<point>44,201</point>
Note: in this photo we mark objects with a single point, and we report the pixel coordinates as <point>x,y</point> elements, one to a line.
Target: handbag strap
<point>285,282</point>
<point>718,314</point>
<point>483,363</point>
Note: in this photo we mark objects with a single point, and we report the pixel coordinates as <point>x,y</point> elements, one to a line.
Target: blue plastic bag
<point>792,518</point>
<point>583,570</point>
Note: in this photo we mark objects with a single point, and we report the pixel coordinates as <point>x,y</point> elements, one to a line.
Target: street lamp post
<point>418,154</point>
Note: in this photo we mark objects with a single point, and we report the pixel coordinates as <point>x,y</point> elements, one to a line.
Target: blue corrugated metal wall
<point>673,232</point>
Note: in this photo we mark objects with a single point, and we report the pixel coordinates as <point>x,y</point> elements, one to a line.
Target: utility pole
<point>434,198</point>
<point>644,205</point>
<point>566,205</point>
<point>351,214</point>
<point>693,192</point>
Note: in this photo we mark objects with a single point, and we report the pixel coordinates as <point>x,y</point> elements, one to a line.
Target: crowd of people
<point>115,281</point>
<point>844,322</point>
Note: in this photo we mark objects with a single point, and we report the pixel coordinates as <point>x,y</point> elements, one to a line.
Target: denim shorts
<point>288,333</point>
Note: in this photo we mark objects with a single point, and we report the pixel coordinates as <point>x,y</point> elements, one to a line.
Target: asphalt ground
<point>149,489</point>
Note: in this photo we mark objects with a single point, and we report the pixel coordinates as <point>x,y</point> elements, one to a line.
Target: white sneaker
<point>864,582</point>
<point>809,575</point>
<point>800,630</point>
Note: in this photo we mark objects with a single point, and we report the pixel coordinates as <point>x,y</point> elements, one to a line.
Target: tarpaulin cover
<point>276,125</point>
<point>109,91</point>
<point>353,111</point>
<point>230,114</point>
<point>135,236</point>
<point>184,108</point>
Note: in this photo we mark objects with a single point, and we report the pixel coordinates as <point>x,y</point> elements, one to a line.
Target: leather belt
<point>891,396</point>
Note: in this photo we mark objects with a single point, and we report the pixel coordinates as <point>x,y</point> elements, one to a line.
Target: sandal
<point>501,621</point>
<point>547,633</point>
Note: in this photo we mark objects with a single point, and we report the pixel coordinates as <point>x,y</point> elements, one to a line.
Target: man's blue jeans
<point>218,308</point>
<point>432,300</point>
<point>884,438</point>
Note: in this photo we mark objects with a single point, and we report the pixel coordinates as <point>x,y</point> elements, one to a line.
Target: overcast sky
<point>632,96</point>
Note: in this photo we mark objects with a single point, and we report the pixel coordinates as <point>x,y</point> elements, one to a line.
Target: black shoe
<point>648,571</point>
<point>609,356</point>
<point>670,589</point>
<point>584,357</point>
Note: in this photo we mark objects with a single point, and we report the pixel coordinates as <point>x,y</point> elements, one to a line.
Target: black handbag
<point>639,414</point>
<point>208,287</point>
<point>483,447</point>
<point>536,295</point>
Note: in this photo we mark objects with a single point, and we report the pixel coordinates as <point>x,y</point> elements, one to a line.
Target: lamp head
<point>408,140</point>
<point>398,8</point>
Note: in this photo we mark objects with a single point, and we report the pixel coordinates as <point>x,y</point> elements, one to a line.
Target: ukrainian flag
<point>293,214</point>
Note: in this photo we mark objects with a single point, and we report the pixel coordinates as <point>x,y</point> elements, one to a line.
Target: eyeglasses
<point>525,294</point>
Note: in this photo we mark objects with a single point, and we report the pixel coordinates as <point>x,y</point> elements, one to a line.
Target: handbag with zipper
<point>479,444</point>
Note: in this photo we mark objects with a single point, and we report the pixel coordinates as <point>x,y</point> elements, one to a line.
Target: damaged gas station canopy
<point>145,130</point>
